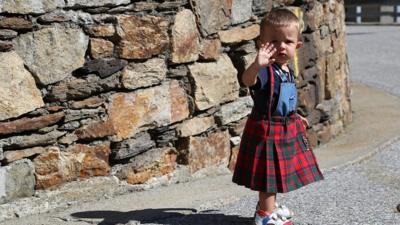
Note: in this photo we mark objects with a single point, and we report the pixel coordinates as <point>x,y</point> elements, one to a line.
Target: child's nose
<point>281,45</point>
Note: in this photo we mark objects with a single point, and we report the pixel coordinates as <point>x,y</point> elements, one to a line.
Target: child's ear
<point>299,44</point>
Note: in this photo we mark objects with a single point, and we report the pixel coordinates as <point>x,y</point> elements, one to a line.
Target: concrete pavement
<point>360,167</point>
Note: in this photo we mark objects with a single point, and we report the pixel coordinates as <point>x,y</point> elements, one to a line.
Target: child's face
<point>285,39</point>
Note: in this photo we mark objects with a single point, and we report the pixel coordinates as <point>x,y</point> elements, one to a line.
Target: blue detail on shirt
<point>284,99</point>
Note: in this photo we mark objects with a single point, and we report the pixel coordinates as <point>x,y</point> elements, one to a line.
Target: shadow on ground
<point>170,216</point>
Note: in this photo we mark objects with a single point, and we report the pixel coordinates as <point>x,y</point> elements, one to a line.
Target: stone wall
<point>140,89</point>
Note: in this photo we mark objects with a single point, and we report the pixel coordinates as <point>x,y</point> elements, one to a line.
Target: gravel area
<point>366,193</point>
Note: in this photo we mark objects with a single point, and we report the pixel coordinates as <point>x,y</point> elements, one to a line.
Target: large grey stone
<point>82,88</point>
<point>24,141</point>
<point>17,180</point>
<point>131,147</point>
<point>103,67</point>
<point>234,111</point>
<point>212,15</point>
<point>147,108</point>
<point>260,7</point>
<point>149,73</point>
<point>241,11</point>
<point>208,80</point>
<point>18,91</point>
<point>79,17</point>
<point>97,3</point>
<point>30,6</point>
<point>64,47</point>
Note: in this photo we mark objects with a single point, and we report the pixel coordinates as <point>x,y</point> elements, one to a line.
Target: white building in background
<point>372,11</point>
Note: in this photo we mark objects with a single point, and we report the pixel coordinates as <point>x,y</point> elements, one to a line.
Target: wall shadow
<point>171,216</point>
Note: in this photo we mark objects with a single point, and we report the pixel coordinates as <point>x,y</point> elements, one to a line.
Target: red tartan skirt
<point>275,156</point>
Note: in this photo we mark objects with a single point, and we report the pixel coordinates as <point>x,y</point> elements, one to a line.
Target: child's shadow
<point>171,216</point>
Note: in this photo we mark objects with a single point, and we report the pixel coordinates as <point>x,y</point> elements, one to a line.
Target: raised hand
<point>265,55</point>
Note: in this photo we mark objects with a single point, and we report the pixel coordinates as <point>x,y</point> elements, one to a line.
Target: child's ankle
<point>262,213</point>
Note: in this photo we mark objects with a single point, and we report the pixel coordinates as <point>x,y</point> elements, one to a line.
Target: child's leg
<point>267,201</point>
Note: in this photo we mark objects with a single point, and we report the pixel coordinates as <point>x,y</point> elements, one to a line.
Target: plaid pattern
<point>274,155</point>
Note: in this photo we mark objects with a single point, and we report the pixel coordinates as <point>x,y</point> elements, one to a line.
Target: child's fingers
<point>271,48</point>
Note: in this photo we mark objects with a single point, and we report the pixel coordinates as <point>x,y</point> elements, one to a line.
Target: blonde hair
<point>280,17</point>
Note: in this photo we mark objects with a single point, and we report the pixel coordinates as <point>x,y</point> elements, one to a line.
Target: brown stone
<point>11,156</point>
<point>179,102</point>
<point>27,124</point>
<point>233,158</point>
<point>54,167</point>
<point>95,160</point>
<point>141,37</point>
<point>185,38</point>
<point>92,102</point>
<point>208,80</point>
<point>15,23</point>
<point>195,126</point>
<point>139,177</point>
<point>55,108</point>
<point>210,49</point>
<point>307,98</point>
<point>238,34</point>
<point>145,6</point>
<point>153,163</point>
<point>143,109</point>
<point>333,75</point>
<point>95,130</point>
<point>202,152</point>
<point>107,30</point>
<point>19,92</point>
<point>100,48</point>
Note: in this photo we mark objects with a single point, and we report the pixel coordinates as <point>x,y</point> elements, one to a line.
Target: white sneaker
<point>283,211</point>
<point>272,219</point>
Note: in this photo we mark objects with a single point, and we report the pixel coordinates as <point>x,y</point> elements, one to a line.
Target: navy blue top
<point>261,90</point>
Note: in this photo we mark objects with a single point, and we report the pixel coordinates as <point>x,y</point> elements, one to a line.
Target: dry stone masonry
<point>143,89</point>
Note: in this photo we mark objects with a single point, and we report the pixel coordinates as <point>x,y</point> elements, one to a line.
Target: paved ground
<point>374,56</point>
<point>362,192</point>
